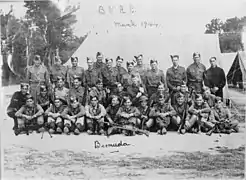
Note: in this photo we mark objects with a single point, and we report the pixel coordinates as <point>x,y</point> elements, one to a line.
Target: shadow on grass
<point>227,163</point>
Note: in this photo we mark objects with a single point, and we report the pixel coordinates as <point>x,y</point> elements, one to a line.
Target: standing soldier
<point>30,115</point>
<point>128,115</point>
<point>99,65</point>
<point>109,75</point>
<point>77,90</point>
<point>215,78</point>
<point>162,114</point>
<point>74,70</point>
<point>17,101</point>
<point>175,76</point>
<point>54,115</point>
<point>153,77</point>
<point>73,116</point>
<point>37,75</point>
<point>140,67</point>
<point>119,69</point>
<point>195,74</point>
<point>91,74</point>
<point>95,114</point>
<point>126,78</point>
<point>57,70</point>
<point>60,90</point>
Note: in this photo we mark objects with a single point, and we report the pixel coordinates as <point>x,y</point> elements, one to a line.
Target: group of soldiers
<point>74,100</point>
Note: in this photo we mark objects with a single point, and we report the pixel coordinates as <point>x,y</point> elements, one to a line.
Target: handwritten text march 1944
<point>98,145</point>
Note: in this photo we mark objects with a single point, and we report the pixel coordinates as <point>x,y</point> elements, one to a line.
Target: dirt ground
<point>173,156</point>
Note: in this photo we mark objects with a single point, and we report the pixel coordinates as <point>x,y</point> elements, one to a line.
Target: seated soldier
<point>54,114</point>
<point>136,89</point>
<point>77,90</point>
<point>98,91</point>
<point>181,112</point>
<point>17,101</point>
<point>30,117</point>
<point>44,98</point>
<point>187,95</point>
<point>208,97</point>
<point>112,110</point>
<point>222,116</point>
<point>199,114</point>
<point>73,116</point>
<point>60,89</point>
<point>154,98</point>
<point>120,92</point>
<point>95,114</point>
<point>128,115</point>
<point>144,110</point>
<point>162,112</point>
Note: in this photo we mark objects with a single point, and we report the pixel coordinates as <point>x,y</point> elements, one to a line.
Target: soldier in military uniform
<point>44,97</point>
<point>95,114</point>
<point>162,114</point>
<point>154,98</point>
<point>136,89</point>
<point>54,115</point>
<point>181,112</point>
<point>57,70</point>
<point>30,115</point>
<point>208,97</point>
<point>120,92</point>
<point>140,67</point>
<point>99,65</point>
<point>195,74</point>
<point>153,77</point>
<point>91,75</point>
<point>77,90</point>
<point>199,114</point>
<point>98,91</point>
<point>119,69</point>
<point>175,76</point>
<point>17,101</point>
<point>75,70</point>
<point>74,117</point>
<point>188,96</point>
<point>126,78</point>
<point>60,90</point>
<point>223,115</point>
<point>109,75</point>
<point>37,75</point>
<point>128,115</point>
<point>215,78</point>
<point>144,110</point>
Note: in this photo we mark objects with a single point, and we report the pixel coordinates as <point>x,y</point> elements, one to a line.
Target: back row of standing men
<point>139,82</point>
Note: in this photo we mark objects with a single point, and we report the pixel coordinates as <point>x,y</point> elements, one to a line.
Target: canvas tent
<point>237,72</point>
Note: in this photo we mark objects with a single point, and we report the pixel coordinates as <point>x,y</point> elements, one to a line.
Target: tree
<point>215,26</point>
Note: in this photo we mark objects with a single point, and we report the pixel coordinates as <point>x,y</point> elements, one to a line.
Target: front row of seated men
<point>60,115</point>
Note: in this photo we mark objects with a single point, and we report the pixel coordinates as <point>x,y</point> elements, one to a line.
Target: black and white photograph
<point>123,89</point>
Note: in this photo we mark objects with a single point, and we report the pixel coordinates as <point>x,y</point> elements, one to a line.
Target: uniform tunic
<point>30,111</point>
<point>79,93</point>
<point>127,79</point>
<point>79,112</point>
<point>72,71</point>
<point>195,76</point>
<point>91,77</point>
<point>210,100</point>
<point>62,93</point>
<point>112,111</point>
<point>204,108</point>
<point>131,110</point>
<point>99,66</point>
<point>109,77</point>
<point>142,70</point>
<point>133,90</point>
<point>215,77</point>
<point>120,72</point>
<point>44,101</point>
<point>152,78</point>
<point>175,77</point>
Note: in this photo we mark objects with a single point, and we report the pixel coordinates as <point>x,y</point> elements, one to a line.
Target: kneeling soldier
<point>128,115</point>
<point>222,115</point>
<point>199,114</point>
<point>55,121</point>
<point>73,116</point>
<point>162,112</point>
<point>181,112</point>
<point>144,113</point>
<point>30,116</point>
<point>95,114</point>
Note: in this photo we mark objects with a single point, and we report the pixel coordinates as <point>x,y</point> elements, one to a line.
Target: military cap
<point>129,62</point>
<point>73,99</point>
<point>173,56</point>
<point>29,96</point>
<point>143,98</point>
<point>197,96</point>
<point>23,84</point>
<point>160,84</point>
<point>133,75</point>
<point>183,83</point>
<point>43,88</point>
<point>99,54</point>
<point>119,58</point>
<point>125,98</point>
<point>195,54</point>
<point>206,88</point>
<point>140,55</point>
<point>89,59</point>
<point>153,61</point>
<point>74,58</point>
<point>76,77</point>
<point>37,57</point>
<point>218,99</point>
<point>93,96</point>
<point>213,58</point>
<point>108,59</point>
<point>99,81</point>
<point>161,96</point>
<point>179,95</point>
<point>58,78</point>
